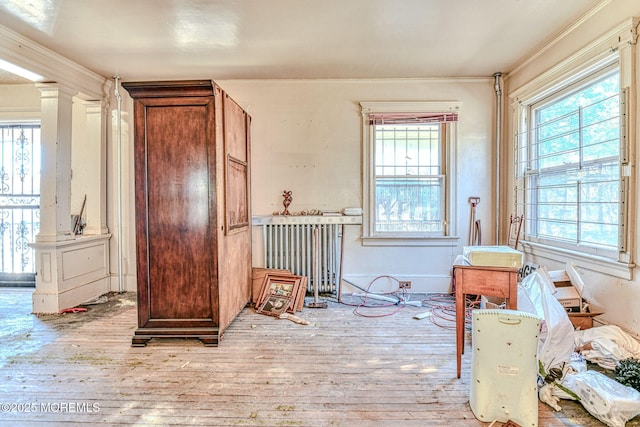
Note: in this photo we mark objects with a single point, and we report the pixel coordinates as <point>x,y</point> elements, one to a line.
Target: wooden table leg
<point>460,318</point>
<point>512,300</point>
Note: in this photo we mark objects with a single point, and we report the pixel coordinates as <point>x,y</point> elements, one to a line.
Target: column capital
<point>95,106</point>
<point>55,90</point>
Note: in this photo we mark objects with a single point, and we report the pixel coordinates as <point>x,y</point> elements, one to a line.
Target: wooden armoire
<point>193,232</point>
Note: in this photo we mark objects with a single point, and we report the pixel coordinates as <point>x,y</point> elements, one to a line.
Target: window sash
<point>409,204</point>
<point>407,150</point>
<point>570,170</point>
<point>409,184</point>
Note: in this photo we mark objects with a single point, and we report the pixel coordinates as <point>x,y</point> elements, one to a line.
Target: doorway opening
<point>19,202</point>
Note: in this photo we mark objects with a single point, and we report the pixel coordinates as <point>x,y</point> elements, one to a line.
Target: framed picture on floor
<point>276,284</point>
<point>275,305</point>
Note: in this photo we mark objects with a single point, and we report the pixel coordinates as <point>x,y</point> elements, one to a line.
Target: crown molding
<point>602,49</point>
<point>27,54</point>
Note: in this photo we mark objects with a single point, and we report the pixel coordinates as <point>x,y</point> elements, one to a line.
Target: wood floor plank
<point>341,370</point>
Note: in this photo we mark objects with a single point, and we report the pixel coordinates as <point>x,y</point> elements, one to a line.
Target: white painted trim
<point>19,110</point>
<point>306,219</point>
<point>27,54</point>
<point>24,115</point>
<point>369,238</point>
<point>79,240</point>
<point>410,107</point>
<point>368,81</point>
<point>583,260</point>
<point>599,50</point>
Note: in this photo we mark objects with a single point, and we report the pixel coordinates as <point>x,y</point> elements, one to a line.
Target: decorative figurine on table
<point>286,202</point>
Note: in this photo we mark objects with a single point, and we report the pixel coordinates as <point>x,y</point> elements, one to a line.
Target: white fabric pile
<point>606,345</point>
<point>606,399</point>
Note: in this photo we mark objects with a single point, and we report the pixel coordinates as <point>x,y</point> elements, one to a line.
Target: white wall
<point>618,298</point>
<point>19,102</point>
<point>306,137</point>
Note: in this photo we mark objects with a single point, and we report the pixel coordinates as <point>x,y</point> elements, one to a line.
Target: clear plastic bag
<point>606,399</point>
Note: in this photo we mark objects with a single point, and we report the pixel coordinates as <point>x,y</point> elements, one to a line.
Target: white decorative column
<point>69,269</point>
<point>55,182</point>
<point>96,172</point>
<point>122,196</point>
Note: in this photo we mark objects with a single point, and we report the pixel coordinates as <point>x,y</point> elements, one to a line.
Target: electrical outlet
<point>404,284</point>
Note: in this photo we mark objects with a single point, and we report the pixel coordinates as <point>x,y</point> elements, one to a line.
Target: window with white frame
<point>407,172</point>
<point>569,168</point>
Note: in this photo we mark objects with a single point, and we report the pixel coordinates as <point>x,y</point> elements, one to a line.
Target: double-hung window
<point>407,172</point>
<point>570,155</point>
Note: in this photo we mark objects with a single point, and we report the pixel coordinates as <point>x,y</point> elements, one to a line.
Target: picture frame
<point>298,301</point>
<point>283,286</point>
<point>275,305</point>
<point>259,275</point>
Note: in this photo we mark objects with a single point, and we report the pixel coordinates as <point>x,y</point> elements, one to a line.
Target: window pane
<point>557,230</point>
<point>599,220</point>
<point>603,140</point>
<point>557,207</point>
<point>561,150</point>
<point>407,150</point>
<point>566,123</point>
<point>409,205</point>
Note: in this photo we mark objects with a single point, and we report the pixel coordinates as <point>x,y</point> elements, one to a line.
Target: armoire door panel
<point>179,235</point>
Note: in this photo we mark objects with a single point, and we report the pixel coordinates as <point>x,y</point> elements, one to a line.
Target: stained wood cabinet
<point>193,241</point>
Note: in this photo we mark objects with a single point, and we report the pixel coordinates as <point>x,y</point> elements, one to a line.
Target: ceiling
<point>299,39</point>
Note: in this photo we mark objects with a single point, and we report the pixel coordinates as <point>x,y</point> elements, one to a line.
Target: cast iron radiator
<point>291,247</point>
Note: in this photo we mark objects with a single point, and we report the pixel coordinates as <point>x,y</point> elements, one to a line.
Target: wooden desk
<point>490,281</point>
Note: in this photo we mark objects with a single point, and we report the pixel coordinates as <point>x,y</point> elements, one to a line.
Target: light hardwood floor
<point>342,370</point>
